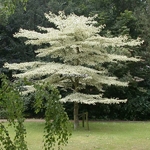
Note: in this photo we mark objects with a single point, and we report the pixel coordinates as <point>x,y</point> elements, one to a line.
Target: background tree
<point>9,6</point>
<point>74,58</point>
<point>141,89</point>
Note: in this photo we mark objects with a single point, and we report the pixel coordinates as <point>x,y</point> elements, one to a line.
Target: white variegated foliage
<point>90,99</point>
<point>76,41</point>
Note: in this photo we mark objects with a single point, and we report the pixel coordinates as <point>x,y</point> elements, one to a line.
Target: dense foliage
<point>9,6</point>
<point>56,130</point>
<point>128,17</point>
<point>12,102</point>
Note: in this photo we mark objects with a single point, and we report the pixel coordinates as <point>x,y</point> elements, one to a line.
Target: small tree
<point>12,102</point>
<point>56,130</point>
<point>74,58</point>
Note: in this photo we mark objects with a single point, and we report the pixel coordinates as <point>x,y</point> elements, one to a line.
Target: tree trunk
<point>76,118</point>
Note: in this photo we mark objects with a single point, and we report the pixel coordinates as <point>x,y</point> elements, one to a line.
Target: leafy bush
<point>56,119</point>
<point>3,113</point>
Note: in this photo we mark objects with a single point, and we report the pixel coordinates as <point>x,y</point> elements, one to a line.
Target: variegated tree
<point>74,58</point>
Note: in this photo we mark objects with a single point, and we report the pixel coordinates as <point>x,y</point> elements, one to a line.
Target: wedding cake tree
<point>74,58</point>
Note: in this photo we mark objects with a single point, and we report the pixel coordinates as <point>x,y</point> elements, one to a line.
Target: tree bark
<point>76,105</point>
<point>76,118</point>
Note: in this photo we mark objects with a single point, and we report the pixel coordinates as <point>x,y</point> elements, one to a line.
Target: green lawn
<point>101,136</point>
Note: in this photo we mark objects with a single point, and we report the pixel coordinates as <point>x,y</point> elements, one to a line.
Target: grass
<point>101,136</point>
